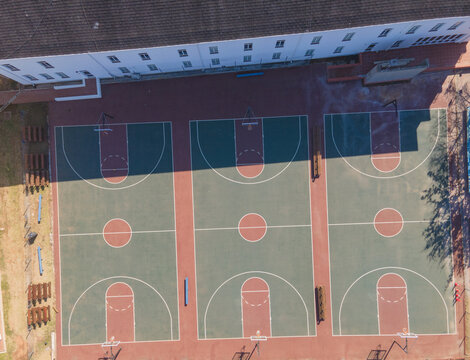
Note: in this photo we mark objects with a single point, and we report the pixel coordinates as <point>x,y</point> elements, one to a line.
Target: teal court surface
<point>379,168</point>
<point>118,269</point>
<point>253,240</point>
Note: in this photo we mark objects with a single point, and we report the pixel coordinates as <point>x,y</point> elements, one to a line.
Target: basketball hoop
<point>249,119</point>
<point>258,337</point>
<point>407,335</point>
<point>110,343</point>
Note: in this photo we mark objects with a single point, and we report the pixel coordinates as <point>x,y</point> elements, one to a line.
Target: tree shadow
<point>448,193</point>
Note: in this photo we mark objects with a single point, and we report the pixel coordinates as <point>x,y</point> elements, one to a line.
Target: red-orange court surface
<point>179,183</point>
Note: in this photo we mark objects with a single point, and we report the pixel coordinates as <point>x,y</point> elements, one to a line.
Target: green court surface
<point>359,254</point>
<point>282,257</point>
<point>89,265</point>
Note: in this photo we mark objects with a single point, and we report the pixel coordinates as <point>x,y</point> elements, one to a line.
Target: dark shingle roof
<point>50,27</point>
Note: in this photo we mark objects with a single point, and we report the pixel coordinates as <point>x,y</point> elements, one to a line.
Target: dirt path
<point>18,213</point>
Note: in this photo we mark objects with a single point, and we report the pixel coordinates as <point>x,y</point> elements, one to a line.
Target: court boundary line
<point>444,110</point>
<point>406,293</point>
<point>176,234</point>
<point>384,111</point>
<point>269,303</point>
<point>239,338</point>
<point>106,306</point>
<point>309,185</point>
<point>399,145</point>
<point>255,182</point>
<point>59,271</point>
<point>122,187</point>
<point>328,223</point>
<point>386,268</point>
<point>258,117</point>
<point>121,277</point>
<point>117,123</point>
<point>392,176</point>
<point>256,272</point>
<point>194,225</point>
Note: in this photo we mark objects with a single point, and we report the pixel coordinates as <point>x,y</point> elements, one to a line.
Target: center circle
<point>252,227</point>
<point>388,222</point>
<point>117,232</point>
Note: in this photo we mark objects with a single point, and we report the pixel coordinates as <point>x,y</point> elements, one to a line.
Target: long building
<point>50,41</point>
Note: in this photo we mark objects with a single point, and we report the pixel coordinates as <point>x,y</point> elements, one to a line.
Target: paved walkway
<point>441,57</point>
<point>45,94</point>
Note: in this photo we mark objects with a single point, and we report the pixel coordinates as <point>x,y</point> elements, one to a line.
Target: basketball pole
<point>252,351</point>
<point>395,105</point>
<point>404,348</point>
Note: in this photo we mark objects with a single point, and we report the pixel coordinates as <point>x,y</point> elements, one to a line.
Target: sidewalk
<point>441,57</point>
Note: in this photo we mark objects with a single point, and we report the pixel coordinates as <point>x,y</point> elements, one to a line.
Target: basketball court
<point>118,265</point>
<point>252,223</point>
<point>377,173</point>
<point>186,229</point>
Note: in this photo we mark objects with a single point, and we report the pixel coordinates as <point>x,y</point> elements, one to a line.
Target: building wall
<point>232,53</point>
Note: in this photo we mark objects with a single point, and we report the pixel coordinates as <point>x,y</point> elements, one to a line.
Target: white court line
<point>448,202</point>
<point>381,222</point>
<point>259,117</point>
<point>384,111</point>
<point>253,227</point>
<point>331,331</point>
<point>309,185</point>
<point>113,188</point>
<point>56,198</point>
<point>256,182</point>
<point>174,224</point>
<point>194,226</point>
<point>386,177</point>
<point>125,232</point>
